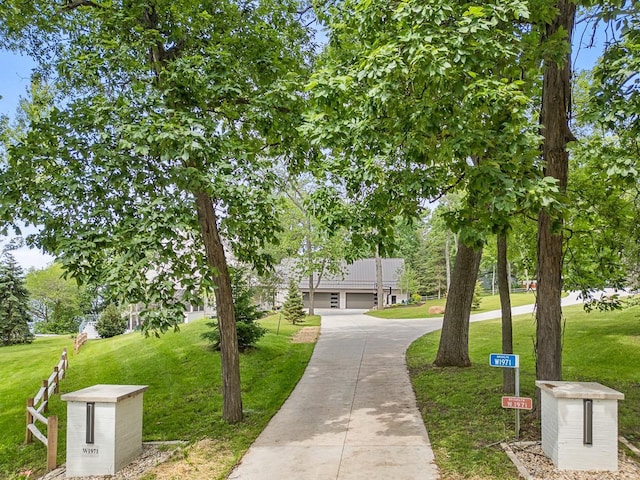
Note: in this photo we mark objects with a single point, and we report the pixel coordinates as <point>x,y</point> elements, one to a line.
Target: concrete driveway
<point>353,415</point>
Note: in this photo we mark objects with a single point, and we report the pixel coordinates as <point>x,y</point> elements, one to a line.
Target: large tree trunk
<point>453,350</point>
<point>379,285</point>
<point>508,374</point>
<point>231,390</point>
<point>556,105</point>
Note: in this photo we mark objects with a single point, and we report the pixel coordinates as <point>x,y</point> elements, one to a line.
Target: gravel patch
<point>533,464</point>
<point>152,455</point>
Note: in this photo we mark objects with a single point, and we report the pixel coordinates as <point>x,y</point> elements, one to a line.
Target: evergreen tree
<point>246,314</point>
<point>477,294</point>
<point>111,322</point>
<point>293,306</point>
<point>14,300</point>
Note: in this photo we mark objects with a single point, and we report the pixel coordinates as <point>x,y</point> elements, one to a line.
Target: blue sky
<point>15,71</point>
<point>14,80</point>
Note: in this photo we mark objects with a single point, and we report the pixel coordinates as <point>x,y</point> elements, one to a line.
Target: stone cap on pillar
<point>591,390</point>
<point>104,393</point>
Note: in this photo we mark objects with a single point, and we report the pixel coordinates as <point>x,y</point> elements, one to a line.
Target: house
<point>356,287</point>
<point>204,309</point>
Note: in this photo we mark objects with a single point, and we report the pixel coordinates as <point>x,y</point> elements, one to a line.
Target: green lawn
<point>183,401</point>
<point>487,303</point>
<point>461,407</point>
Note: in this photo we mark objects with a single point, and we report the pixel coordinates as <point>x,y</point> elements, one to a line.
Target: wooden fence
<point>39,404</point>
<point>79,341</point>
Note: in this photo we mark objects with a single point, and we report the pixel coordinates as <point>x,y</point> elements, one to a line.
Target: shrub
<point>246,313</point>
<point>111,322</point>
<point>416,298</point>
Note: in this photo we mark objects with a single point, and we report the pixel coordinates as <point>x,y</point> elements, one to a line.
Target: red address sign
<point>520,403</point>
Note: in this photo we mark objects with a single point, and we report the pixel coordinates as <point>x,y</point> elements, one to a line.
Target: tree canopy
<point>57,303</point>
<point>419,99</point>
<point>168,118</point>
<point>408,94</point>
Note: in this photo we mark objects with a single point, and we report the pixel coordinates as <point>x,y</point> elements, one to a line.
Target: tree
<point>605,161</point>
<point>111,322</point>
<point>614,96</point>
<point>379,277</point>
<point>162,148</point>
<point>508,374</point>
<point>246,312</point>
<point>523,249</point>
<point>554,117</point>
<point>293,308</point>
<point>477,295</point>
<point>420,99</point>
<point>14,298</point>
<point>453,349</point>
<point>316,250</point>
<point>57,303</point>
<point>430,257</point>
<point>409,281</point>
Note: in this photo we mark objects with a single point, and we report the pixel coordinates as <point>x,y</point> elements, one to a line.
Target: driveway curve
<point>353,415</point>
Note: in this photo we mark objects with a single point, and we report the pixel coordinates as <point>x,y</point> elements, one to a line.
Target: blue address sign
<point>505,360</point>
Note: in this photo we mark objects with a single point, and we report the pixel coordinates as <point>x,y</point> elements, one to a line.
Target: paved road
<point>353,415</point>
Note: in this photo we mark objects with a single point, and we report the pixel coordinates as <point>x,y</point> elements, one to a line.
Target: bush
<point>293,308</point>
<point>111,322</point>
<point>61,323</point>
<point>416,298</point>
<point>246,312</point>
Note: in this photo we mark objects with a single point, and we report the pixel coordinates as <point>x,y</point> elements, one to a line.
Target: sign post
<point>508,360</point>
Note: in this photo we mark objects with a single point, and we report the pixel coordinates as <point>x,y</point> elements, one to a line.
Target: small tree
<point>246,313</point>
<point>477,292</point>
<point>111,322</point>
<point>14,303</point>
<point>293,306</point>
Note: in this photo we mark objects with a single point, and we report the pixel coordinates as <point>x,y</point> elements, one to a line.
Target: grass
<point>487,303</point>
<point>183,401</point>
<point>461,407</point>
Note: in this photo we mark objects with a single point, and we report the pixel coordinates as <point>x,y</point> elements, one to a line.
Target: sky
<point>15,71</point>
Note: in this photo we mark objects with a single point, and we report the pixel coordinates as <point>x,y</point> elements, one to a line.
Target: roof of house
<point>361,274</point>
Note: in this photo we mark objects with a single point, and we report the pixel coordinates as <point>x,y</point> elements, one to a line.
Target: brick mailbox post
<point>580,425</point>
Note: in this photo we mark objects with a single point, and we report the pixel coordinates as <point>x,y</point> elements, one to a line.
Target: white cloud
<point>31,258</point>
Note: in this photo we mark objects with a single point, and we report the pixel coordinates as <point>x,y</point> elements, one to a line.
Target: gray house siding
<point>355,288</point>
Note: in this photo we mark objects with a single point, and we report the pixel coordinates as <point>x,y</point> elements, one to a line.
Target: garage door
<point>320,300</point>
<point>360,300</point>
